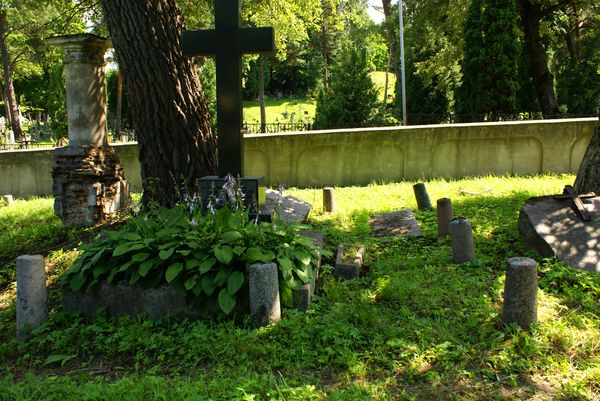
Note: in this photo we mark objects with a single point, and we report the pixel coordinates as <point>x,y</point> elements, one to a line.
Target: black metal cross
<point>228,42</point>
<point>579,207</point>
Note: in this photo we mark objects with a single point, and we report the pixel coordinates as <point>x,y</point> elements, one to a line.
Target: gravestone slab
<point>290,209</point>
<point>552,228</point>
<point>402,222</point>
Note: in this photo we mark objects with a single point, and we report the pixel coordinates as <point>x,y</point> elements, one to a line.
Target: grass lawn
<point>276,109</point>
<point>414,326</point>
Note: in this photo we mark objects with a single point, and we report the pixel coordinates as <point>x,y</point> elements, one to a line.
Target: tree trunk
<point>169,111</point>
<point>387,80</point>
<point>543,80</point>
<point>119,105</point>
<point>392,39</point>
<point>261,94</point>
<point>9,89</point>
<point>588,176</point>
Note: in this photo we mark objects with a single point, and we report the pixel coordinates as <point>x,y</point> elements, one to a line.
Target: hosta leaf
<point>173,271</point>
<point>131,237</point>
<point>221,277</point>
<point>303,275</point>
<point>226,301</point>
<point>140,257</point>
<point>257,255</point>
<point>235,282</point>
<point>122,249</point>
<point>285,265</point>
<point>190,283</point>
<point>231,236</point>
<point>166,253</point>
<point>207,285</point>
<point>206,265</point>
<point>97,256</point>
<point>223,254</point>
<point>303,257</point>
<point>145,268</point>
<point>100,270</point>
<point>184,252</point>
<point>134,278</point>
<point>192,264</point>
<point>77,282</point>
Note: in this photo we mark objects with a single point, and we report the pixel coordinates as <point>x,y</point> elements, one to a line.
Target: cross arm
<point>210,42</point>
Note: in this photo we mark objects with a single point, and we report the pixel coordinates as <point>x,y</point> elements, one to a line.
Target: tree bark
<point>393,41</point>
<point>170,116</point>
<point>588,176</point>
<point>9,90</point>
<point>543,80</point>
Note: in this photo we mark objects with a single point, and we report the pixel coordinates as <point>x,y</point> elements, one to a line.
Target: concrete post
<point>328,200</point>
<point>8,199</point>
<point>422,196</point>
<point>264,294</point>
<point>444,216</point>
<point>462,240</point>
<point>86,83</point>
<point>520,292</point>
<point>32,296</point>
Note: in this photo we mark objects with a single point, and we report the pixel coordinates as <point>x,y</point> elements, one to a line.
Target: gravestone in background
<point>88,181</point>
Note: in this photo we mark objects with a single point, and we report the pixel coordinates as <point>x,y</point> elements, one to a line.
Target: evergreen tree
<point>351,99</point>
<point>490,69</point>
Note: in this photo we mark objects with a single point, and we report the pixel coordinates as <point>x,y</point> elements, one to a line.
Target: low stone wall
<point>361,156</point>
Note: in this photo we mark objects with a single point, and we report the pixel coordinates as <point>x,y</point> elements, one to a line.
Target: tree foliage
<point>351,98</point>
<point>489,67</point>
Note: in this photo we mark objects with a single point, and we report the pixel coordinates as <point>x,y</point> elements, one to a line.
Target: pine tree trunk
<point>169,111</point>
<point>543,80</point>
<point>261,94</point>
<point>588,176</point>
<point>9,90</point>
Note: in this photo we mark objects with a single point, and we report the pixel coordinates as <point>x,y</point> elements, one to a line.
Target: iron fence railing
<point>273,128</point>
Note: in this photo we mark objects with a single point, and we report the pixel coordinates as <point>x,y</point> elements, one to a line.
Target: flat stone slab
<point>291,209</point>
<point>552,228</point>
<point>402,222</point>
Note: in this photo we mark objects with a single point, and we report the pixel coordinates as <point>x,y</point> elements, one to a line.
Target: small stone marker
<point>423,201</point>
<point>444,216</point>
<point>265,307</point>
<point>32,295</point>
<point>328,200</point>
<point>402,222</point>
<point>462,240</point>
<point>520,292</point>
<point>348,270</point>
<point>8,199</point>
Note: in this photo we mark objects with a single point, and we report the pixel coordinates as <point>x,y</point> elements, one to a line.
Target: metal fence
<point>273,128</point>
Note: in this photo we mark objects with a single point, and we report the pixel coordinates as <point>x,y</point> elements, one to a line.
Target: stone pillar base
<point>89,185</point>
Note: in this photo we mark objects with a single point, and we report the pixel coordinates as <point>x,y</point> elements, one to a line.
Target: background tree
<point>489,67</point>
<point>351,99</point>
<point>170,116</point>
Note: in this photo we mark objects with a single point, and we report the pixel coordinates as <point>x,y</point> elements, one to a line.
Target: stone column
<point>520,292</point>
<point>88,181</point>
<point>328,200</point>
<point>423,202</point>
<point>264,294</point>
<point>463,249</point>
<point>86,87</point>
<point>444,216</point>
<point>32,295</point>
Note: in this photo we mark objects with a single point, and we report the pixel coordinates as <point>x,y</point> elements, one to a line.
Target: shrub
<point>203,254</point>
<point>351,99</point>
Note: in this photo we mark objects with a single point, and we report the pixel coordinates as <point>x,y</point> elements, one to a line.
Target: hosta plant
<point>203,254</point>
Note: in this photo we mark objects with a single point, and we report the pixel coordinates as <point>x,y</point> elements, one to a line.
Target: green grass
<point>378,78</point>
<point>414,326</point>
<point>276,109</point>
